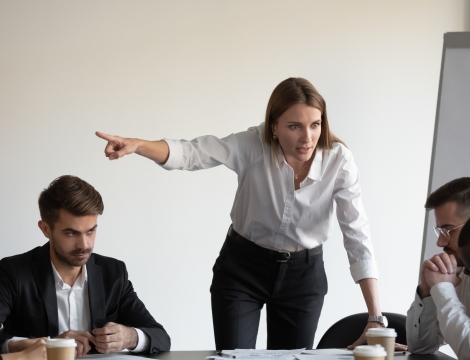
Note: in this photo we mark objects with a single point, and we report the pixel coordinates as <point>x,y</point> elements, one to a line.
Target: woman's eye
<point>293,127</point>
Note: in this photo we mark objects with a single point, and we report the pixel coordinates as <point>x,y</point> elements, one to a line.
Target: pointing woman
<point>291,169</point>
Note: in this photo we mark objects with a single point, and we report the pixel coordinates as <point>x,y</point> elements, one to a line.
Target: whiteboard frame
<point>452,40</point>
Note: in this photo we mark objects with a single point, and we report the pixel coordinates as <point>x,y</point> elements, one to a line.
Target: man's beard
<point>68,258</point>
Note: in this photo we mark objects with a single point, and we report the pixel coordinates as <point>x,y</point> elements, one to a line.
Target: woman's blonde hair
<point>297,91</point>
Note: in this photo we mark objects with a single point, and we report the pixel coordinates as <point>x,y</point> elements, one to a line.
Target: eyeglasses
<point>444,232</point>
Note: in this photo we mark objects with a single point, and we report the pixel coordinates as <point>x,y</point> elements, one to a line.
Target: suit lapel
<point>96,295</point>
<point>44,278</point>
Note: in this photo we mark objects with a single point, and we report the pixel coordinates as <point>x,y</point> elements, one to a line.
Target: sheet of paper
<point>326,352</point>
<point>114,356</point>
<point>251,354</point>
<point>330,357</point>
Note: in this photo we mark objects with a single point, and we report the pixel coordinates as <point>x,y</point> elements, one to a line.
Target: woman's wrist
<point>371,297</point>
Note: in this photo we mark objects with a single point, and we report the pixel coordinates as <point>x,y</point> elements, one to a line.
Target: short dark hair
<point>71,194</point>
<point>464,237</point>
<point>457,190</point>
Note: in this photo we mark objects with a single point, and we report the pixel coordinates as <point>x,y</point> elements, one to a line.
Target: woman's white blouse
<point>269,211</point>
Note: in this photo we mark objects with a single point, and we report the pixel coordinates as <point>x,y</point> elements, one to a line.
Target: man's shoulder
<point>24,258</point>
<point>107,263</point>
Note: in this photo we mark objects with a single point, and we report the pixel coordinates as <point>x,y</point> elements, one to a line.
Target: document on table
<point>115,356</point>
<point>331,357</point>
<point>252,354</point>
<point>325,354</point>
<point>306,354</point>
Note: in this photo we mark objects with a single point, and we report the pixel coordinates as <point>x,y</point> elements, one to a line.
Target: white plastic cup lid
<point>60,343</point>
<point>369,351</point>
<point>381,332</point>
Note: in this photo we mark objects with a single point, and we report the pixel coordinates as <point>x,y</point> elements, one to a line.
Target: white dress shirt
<point>443,317</point>
<point>72,303</point>
<point>74,309</point>
<point>269,211</point>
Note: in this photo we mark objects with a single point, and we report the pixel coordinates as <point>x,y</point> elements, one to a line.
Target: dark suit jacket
<point>28,301</point>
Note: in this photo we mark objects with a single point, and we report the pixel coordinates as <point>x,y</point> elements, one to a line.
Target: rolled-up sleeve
<point>353,221</point>
<point>234,151</point>
<point>175,158</point>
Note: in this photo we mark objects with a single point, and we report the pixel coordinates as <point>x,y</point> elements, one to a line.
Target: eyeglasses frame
<point>444,232</point>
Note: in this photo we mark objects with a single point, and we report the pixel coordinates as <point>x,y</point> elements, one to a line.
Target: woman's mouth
<point>303,150</point>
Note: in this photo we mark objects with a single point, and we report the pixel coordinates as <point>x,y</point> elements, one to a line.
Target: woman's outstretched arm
<point>118,147</point>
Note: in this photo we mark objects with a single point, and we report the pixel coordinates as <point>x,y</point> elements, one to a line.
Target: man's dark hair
<point>457,190</point>
<point>464,237</point>
<point>71,194</point>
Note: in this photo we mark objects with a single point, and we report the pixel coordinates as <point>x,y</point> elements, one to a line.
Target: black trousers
<point>247,276</point>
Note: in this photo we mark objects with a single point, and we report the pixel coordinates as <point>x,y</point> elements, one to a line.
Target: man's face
<point>72,238</point>
<point>447,218</point>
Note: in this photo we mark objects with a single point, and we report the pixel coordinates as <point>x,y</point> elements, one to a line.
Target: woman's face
<point>298,130</point>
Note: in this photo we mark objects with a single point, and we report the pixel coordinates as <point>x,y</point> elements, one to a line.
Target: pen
<point>226,355</point>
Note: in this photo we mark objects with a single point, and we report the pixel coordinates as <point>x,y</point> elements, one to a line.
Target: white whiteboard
<point>451,145</point>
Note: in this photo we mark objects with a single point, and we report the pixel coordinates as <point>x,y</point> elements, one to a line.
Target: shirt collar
<point>79,283</point>
<point>315,169</point>
<point>315,172</point>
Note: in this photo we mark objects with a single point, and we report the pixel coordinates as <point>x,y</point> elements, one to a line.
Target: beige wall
<point>180,69</point>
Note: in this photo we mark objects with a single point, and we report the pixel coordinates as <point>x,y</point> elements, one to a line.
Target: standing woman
<point>290,170</point>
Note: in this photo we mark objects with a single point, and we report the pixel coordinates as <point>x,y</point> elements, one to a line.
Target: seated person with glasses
<point>439,313</point>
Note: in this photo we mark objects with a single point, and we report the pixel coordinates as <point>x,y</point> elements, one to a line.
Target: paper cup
<point>369,352</point>
<point>384,337</point>
<point>61,349</point>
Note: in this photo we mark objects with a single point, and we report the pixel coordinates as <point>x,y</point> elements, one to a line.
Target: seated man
<point>64,290</point>
<point>440,312</point>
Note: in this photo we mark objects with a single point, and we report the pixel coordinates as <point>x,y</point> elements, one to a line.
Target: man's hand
<point>36,351</point>
<point>83,339</point>
<point>436,277</point>
<point>22,345</point>
<point>441,263</point>
<point>115,337</point>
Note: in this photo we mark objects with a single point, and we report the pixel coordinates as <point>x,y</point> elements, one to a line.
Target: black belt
<point>279,256</point>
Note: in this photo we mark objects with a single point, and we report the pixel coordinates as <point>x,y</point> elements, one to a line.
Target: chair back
<point>347,330</point>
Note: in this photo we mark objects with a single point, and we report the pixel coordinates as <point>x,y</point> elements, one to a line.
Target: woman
<point>290,170</point>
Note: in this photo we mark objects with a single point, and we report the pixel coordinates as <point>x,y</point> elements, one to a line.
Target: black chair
<point>347,330</point>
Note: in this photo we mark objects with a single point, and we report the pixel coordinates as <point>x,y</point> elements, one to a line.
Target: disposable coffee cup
<point>383,336</point>
<point>369,352</point>
<point>61,349</point>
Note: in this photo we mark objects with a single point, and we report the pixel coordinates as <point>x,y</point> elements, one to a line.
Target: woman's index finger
<point>105,136</point>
